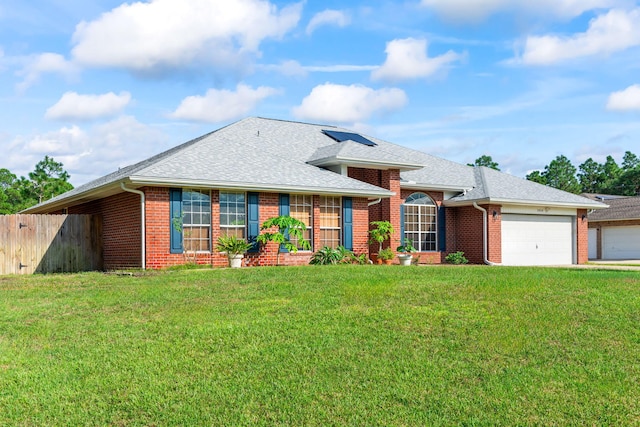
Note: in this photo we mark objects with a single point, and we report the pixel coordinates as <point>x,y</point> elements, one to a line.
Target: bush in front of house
<point>456,258</point>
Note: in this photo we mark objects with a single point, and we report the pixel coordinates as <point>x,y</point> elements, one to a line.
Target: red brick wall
<point>467,230</point>
<point>494,233</point>
<point>120,227</point>
<point>582,237</point>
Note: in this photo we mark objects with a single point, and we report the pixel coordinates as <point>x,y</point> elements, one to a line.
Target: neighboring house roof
<point>258,154</point>
<point>620,209</point>
<point>493,186</point>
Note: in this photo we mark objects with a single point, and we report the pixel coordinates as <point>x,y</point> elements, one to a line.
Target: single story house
<point>614,233</point>
<point>335,180</point>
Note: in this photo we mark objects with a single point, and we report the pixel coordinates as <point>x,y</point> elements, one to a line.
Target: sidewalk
<point>627,264</point>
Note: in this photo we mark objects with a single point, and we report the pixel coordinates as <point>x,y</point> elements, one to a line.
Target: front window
<point>196,220</point>
<point>330,221</point>
<point>420,215</point>
<point>301,208</point>
<point>233,214</point>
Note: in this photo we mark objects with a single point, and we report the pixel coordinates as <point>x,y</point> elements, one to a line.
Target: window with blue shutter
<point>284,210</point>
<point>442,229</point>
<point>175,220</point>
<point>253,220</point>
<point>347,223</point>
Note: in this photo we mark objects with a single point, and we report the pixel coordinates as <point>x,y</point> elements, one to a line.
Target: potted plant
<point>386,255</point>
<point>405,252</point>
<point>235,249</point>
<point>382,231</point>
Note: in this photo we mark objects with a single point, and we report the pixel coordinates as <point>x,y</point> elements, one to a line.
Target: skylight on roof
<point>348,136</point>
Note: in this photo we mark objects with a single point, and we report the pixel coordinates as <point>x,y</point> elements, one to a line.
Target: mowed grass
<point>344,345</point>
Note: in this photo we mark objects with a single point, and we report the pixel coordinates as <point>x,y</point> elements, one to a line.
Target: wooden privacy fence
<point>50,243</point>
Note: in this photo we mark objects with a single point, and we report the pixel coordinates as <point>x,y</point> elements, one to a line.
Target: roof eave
<point>520,202</point>
<point>411,185</point>
<point>364,163</point>
<point>249,186</point>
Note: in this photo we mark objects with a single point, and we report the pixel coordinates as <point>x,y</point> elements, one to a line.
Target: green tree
<point>591,176</point>
<point>10,196</point>
<point>537,176</point>
<point>560,174</point>
<point>48,180</point>
<point>485,160</point>
<point>611,174</point>
<point>628,183</point>
<point>630,161</point>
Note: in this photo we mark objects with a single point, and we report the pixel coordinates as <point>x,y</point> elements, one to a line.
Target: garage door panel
<point>621,242</point>
<point>593,243</point>
<point>537,240</point>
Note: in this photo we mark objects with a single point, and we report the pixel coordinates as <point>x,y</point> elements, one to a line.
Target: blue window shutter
<point>401,224</point>
<point>442,229</point>
<point>285,209</point>
<point>253,220</point>
<point>347,223</point>
<point>175,208</point>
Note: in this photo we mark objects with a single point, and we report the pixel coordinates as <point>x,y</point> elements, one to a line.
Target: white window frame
<point>325,206</point>
<point>425,206</point>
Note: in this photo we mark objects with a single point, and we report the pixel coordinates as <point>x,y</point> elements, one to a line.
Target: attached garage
<point>621,242</point>
<point>537,239</point>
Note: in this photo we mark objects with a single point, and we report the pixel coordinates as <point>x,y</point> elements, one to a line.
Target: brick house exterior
<point>340,180</point>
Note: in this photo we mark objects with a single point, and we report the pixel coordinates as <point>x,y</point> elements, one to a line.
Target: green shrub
<point>340,255</point>
<point>456,258</point>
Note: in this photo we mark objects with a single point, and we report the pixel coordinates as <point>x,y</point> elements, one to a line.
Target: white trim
<point>246,186</point>
<point>516,202</point>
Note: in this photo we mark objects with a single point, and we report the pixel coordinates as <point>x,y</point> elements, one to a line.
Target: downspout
<point>484,235</point>
<point>142,222</point>
<point>375,202</point>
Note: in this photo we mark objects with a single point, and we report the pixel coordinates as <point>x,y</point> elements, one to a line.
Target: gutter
<point>375,202</point>
<point>484,235</point>
<point>142,222</point>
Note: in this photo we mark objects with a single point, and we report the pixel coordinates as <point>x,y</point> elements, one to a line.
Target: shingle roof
<point>624,208</point>
<point>495,186</point>
<point>275,155</point>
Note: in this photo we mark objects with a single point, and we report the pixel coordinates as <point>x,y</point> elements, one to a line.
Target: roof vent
<point>348,136</point>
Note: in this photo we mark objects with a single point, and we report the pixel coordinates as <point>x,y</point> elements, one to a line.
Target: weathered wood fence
<point>50,243</point>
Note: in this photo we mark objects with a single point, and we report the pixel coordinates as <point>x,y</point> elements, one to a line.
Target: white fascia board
<point>523,203</point>
<point>248,186</point>
<point>354,162</point>
<point>411,185</point>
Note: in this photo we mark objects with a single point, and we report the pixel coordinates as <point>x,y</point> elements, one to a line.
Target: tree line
<point>47,180</point>
<point>589,177</point>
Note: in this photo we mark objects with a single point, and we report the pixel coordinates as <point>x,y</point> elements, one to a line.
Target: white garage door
<point>537,240</point>
<point>593,243</point>
<point>621,242</point>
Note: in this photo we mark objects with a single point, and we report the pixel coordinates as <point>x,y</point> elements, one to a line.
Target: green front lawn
<point>344,345</point>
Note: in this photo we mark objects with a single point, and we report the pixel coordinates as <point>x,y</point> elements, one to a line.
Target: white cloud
<point>348,104</point>
<point>88,153</point>
<point>328,17</point>
<point>37,65</point>
<point>295,69</point>
<point>168,34</point>
<point>407,59</point>
<point>222,105</point>
<point>73,106</point>
<point>612,32</point>
<point>625,100</point>
<point>478,10</point>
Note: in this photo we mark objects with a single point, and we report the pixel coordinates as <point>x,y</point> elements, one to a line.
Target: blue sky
<point>102,84</point>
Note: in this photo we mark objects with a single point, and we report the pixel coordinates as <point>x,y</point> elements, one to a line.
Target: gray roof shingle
<point>274,155</point>
<point>624,208</point>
